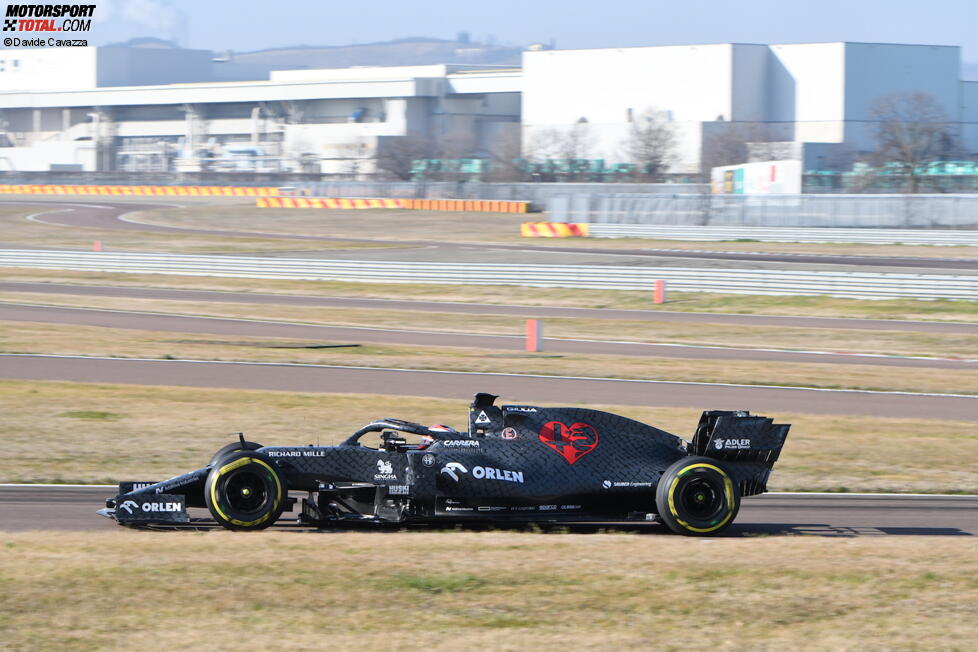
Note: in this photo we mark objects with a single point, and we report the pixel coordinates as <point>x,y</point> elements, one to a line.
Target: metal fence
<point>890,211</point>
<point>858,285</point>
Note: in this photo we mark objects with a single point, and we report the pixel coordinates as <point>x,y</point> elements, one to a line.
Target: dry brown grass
<point>15,229</point>
<point>379,224</point>
<point>814,306</point>
<point>880,341</point>
<point>72,432</point>
<point>28,337</point>
<point>493,590</point>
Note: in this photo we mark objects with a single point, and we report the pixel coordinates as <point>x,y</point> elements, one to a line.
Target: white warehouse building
<point>159,109</point>
<point>815,96</point>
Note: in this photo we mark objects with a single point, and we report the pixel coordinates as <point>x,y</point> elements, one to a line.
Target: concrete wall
<point>119,66</point>
<point>749,83</point>
<point>808,88</point>
<point>561,86</point>
<point>94,67</point>
<point>47,68</point>
<point>609,88</point>
<point>43,155</point>
<point>874,70</point>
<point>969,117</point>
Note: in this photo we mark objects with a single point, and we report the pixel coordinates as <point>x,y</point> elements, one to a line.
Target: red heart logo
<point>572,442</point>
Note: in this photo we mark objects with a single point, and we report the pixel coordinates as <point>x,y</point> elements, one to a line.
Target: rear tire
<point>696,496</point>
<point>245,491</point>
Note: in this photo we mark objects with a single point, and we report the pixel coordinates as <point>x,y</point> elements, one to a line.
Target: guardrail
<point>940,237</point>
<point>856,285</point>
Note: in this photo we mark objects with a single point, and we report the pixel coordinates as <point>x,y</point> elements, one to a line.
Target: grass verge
<point>507,591</point>
<point>158,432</point>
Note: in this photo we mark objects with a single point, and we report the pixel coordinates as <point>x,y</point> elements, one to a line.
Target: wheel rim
<point>700,499</point>
<point>246,492</point>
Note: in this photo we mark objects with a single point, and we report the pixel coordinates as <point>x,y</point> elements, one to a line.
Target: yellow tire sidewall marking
<point>232,466</point>
<point>727,488</point>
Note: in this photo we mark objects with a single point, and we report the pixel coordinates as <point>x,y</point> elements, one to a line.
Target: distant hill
<point>969,71</point>
<point>402,52</point>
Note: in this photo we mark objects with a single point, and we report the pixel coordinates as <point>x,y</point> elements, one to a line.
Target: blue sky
<point>244,25</point>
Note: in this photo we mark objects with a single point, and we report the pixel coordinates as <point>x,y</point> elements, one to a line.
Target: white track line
<point>882,322</point>
<point>124,217</point>
<point>494,374</point>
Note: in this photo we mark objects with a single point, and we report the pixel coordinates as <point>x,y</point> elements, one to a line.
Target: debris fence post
<point>534,335</point>
<point>660,291</point>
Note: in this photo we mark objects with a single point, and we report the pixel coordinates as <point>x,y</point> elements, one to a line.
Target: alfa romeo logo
<point>571,442</point>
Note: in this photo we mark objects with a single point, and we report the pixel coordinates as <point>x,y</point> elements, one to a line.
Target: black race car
<point>515,463</point>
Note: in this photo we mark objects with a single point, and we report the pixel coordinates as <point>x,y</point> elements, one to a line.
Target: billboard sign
<point>762,178</point>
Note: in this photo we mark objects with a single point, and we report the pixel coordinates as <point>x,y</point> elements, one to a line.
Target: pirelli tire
<point>233,447</point>
<point>245,491</point>
<point>697,496</point>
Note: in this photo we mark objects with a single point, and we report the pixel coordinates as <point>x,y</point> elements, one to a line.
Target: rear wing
<point>737,436</point>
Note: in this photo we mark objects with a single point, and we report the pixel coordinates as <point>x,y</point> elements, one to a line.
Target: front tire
<point>233,447</point>
<point>245,491</point>
<point>696,496</point>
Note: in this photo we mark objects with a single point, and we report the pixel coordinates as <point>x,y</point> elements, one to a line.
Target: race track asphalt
<point>46,507</point>
<point>316,334</point>
<point>547,390</point>
<point>106,215</point>
<point>534,312</point>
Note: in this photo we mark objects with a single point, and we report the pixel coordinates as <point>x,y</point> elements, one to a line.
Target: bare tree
<point>912,130</point>
<point>651,145</point>
<point>566,144</point>
<point>396,155</point>
<point>505,157</point>
<point>726,144</point>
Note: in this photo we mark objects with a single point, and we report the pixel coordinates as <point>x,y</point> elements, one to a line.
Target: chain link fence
<point>886,211</point>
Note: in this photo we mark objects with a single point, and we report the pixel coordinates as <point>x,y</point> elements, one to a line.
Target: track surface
<point>149,321</point>
<point>490,309</point>
<point>106,215</point>
<point>73,508</point>
<point>553,390</point>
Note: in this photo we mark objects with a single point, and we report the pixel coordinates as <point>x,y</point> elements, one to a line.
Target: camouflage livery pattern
<point>513,462</point>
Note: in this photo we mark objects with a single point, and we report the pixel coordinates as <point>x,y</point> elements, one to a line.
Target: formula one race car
<point>516,463</point>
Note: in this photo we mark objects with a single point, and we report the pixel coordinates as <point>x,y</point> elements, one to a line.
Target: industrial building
<point>141,109</point>
<point>168,109</point>
<point>814,99</point>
